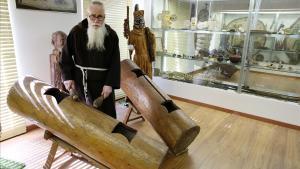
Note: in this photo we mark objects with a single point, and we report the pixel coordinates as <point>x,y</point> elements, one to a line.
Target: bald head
<point>95,5</point>
<point>96,14</point>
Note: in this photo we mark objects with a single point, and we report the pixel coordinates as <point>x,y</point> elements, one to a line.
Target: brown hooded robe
<point>76,46</point>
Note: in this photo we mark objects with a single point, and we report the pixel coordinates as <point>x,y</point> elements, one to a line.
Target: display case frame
<point>244,66</point>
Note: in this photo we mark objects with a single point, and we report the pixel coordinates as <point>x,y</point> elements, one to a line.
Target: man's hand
<point>106,91</point>
<point>69,84</point>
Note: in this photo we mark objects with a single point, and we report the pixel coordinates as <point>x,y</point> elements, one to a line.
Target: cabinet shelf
<point>200,31</point>
<point>294,71</point>
<point>204,59</point>
<point>265,34</point>
<point>275,35</point>
<point>282,95</point>
<point>269,50</point>
<point>286,70</point>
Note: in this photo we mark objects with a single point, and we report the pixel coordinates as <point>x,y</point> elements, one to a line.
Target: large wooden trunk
<point>94,133</point>
<point>176,128</point>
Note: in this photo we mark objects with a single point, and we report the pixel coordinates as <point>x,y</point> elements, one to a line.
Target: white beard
<point>96,37</point>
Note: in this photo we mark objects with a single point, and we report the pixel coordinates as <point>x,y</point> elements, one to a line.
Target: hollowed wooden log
<point>99,136</point>
<point>176,128</point>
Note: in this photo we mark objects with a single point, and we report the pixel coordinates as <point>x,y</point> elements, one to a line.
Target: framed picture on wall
<point>48,5</point>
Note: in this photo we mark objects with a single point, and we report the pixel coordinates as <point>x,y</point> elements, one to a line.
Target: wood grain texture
<point>264,147</point>
<point>84,127</point>
<point>282,124</point>
<point>230,141</point>
<point>173,125</point>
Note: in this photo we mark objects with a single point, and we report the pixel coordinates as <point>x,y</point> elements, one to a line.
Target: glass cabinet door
<point>274,65</point>
<point>208,42</point>
<point>200,42</point>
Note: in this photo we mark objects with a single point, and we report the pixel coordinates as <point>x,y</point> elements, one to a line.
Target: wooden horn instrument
<point>94,133</point>
<point>176,128</point>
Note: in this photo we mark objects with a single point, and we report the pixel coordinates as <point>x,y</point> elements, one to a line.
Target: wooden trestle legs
<point>130,109</point>
<point>68,149</point>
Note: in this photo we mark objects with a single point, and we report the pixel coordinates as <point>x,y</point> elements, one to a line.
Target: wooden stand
<point>68,148</point>
<point>131,109</point>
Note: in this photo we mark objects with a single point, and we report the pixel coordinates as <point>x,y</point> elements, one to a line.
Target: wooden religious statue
<point>58,41</point>
<point>141,41</point>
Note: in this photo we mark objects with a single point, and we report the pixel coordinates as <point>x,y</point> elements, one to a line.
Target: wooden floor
<point>226,141</point>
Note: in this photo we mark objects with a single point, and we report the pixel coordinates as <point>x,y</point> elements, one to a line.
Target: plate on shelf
<point>295,28</point>
<point>293,44</point>
<point>241,24</point>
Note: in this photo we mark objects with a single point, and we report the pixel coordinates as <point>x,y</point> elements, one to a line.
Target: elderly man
<point>91,59</point>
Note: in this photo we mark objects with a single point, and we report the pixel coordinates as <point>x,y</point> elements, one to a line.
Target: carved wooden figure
<point>170,122</point>
<point>94,133</point>
<point>140,40</point>
<point>58,41</point>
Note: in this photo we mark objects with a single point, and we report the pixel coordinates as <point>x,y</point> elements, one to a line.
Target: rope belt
<point>85,75</point>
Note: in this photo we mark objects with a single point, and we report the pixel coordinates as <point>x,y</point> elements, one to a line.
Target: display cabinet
<point>249,46</point>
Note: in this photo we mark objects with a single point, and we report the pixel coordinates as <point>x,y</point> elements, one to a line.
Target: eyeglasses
<point>99,17</point>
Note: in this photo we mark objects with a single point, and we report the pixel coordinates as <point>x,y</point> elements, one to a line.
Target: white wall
<point>32,31</point>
